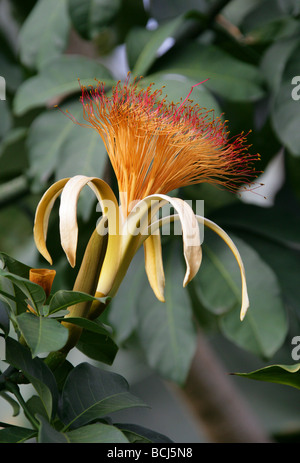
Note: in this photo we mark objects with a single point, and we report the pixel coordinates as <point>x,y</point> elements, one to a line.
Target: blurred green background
<point>250,51</point>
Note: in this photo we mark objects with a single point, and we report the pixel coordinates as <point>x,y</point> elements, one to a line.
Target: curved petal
<point>229,242</point>
<point>42,214</point>
<point>190,229</point>
<point>68,211</point>
<point>154,265</point>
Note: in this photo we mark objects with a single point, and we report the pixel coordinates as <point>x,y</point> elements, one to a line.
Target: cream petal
<point>213,226</point>
<point>190,230</point>
<point>68,211</point>
<point>154,265</point>
<point>42,214</point>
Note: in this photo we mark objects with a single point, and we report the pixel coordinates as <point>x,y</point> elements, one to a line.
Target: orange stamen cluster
<point>155,147</point>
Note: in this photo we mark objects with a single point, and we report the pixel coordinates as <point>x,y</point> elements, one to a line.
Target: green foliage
<point>55,413</point>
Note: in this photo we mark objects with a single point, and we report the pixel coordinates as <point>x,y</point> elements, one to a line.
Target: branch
<point>221,412</point>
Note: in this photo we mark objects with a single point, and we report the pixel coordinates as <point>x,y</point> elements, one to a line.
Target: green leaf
<point>285,109</point>
<point>95,341</point>
<point>280,374</point>
<point>166,330</point>
<point>32,291</point>
<point>228,77</point>
<point>274,61</point>
<point>90,434</point>
<point>89,325</point>
<point>61,372</point>
<point>5,118</point>
<point>11,434</point>
<point>48,434</point>
<point>108,392</point>
<point>14,266</point>
<point>45,33</point>
<point>264,328</point>
<point>177,88</point>
<point>97,347</point>
<point>4,315</point>
<point>140,434</point>
<point>12,73</point>
<point>91,16</point>
<point>42,334</point>
<point>35,406</point>
<point>63,299</point>
<point>8,295</point>
<point>274,254</point>
<point>172,8</point>
<point>276,223</point>
<point>150,52</point>
<point>59,79</point>
<point>36,372</point>
<point>131,14</point>
<point>122,311</point>
<point>136,40</point>
<point>13,154</point>
<point>214,284</point>
<point>268,20</point>
<point>97,433</point>
<point>56,146</point>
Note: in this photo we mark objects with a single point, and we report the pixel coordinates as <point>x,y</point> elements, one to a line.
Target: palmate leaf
<point>107,392</point>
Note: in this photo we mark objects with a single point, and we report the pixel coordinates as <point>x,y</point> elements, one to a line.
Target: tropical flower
<point>154,148</point>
